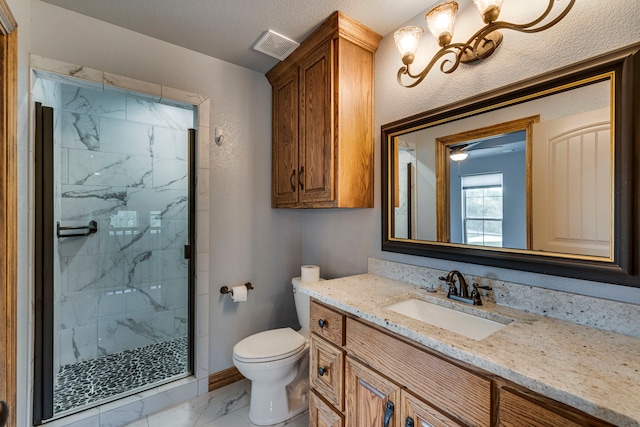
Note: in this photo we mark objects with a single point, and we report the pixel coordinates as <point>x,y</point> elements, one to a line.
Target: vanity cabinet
<point>323,123</point>
<point>362,375</point>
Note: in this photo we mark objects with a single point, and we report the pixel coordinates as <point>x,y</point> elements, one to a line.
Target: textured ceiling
<point>226,29</point>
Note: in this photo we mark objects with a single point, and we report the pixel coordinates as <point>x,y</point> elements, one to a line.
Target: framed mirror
<point>539,176</point>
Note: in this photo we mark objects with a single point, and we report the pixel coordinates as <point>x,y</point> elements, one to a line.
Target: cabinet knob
<point>322,323</point>
<point>322,371</point>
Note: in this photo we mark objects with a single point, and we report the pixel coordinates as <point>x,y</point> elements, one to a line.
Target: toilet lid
<point>269,345</point>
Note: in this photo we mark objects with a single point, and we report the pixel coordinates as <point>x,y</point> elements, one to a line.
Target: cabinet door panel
<point>367,397</point>
<point>422,414</point>
<point>323,415</point>
<point>285,140</point>
<point>316,133</point>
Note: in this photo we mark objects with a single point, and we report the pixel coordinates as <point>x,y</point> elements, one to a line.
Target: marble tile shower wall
<point>124,165</point>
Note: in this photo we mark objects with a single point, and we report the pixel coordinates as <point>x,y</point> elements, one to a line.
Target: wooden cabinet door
<point>422,414</point>
<point>370,398</point>
<point>323,415</point>
<point>284,170</point>
<point>316,132</point>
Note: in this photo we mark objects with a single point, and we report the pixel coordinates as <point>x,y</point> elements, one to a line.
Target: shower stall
<point>113,240</point>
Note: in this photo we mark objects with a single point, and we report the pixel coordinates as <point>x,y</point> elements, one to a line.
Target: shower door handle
<point>86,230</point>
<point>187,252</point>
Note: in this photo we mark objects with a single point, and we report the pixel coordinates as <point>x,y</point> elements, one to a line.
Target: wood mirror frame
<point>624,65</point>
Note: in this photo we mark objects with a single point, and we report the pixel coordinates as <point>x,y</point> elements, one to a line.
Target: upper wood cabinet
<point>323,120</point>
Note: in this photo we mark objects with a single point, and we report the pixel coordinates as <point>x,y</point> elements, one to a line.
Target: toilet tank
<point>303,302</point>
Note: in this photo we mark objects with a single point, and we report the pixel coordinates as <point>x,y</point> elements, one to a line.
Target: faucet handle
<point>475,293</point>
<point>452,286</point>
<point>476,286</point>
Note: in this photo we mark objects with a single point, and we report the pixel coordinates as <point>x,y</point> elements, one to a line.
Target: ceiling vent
<point>276,45</point>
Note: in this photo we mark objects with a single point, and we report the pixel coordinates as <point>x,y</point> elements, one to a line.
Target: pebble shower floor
<point>93,380</point>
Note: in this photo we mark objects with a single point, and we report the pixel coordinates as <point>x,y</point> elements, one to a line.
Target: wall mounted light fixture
<point>440,22</point>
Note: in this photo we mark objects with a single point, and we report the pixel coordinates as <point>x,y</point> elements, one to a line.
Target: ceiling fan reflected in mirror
<point>493,145</point>
<point>458,153</point>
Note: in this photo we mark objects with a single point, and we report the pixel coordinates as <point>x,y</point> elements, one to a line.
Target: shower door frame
<point>44,375</point>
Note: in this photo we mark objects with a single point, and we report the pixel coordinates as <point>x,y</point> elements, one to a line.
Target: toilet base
<point>275,402</point>
<point>265,412</point>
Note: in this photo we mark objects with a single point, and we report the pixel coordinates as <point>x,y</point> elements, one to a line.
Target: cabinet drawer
<point>516,410</point>
<point>326,371</point>
<point>327,323</point>
<point>432,378</point>
<point>321,414</point>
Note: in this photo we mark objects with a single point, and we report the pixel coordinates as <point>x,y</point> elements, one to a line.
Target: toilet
<point>277,363</point>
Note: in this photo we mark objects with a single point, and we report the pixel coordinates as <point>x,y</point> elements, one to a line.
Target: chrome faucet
<point>461,292</point>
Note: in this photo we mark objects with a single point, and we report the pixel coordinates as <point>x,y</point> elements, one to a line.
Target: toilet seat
<point>267,346</point>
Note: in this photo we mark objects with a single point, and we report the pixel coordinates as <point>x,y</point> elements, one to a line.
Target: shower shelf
<point>87,230</point>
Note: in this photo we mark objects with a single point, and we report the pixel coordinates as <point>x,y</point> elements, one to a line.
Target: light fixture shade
<point>440,21</point>
<point>457,154</point>
<point>407,42</point>
<point>489,9</point>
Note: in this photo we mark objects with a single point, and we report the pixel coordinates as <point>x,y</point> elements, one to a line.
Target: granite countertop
<point>590,369</point>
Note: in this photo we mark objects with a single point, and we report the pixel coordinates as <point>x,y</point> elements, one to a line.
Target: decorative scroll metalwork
<point>481,45</point>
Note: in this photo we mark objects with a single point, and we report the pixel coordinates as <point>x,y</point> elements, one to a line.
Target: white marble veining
<point>594,370</point>
<point>127,85</point>
<point>65,69</point>
<point>180,97</point>
<point>123,164</point>
<point>226,407</point>
<point>96,101</point>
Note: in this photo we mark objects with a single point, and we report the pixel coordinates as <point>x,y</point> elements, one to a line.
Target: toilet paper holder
<point>226,290</point>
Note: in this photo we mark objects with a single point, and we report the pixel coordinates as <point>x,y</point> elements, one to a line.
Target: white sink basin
<point>468,325</point>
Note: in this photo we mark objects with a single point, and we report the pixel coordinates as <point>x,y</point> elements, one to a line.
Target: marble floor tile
<point>226,407</point>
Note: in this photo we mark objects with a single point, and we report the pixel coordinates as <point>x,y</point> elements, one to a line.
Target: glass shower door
<point>121,211</point>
